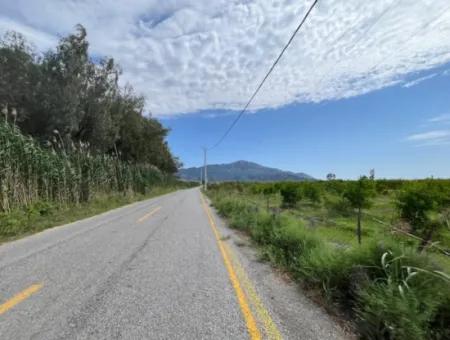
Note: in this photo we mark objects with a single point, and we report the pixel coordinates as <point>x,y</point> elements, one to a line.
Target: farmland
<point>392,280</point>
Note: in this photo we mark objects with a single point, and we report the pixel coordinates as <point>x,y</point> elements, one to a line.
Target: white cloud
<point>36,37</point>
<point>419,80</point>
<point>444,118</point>
<point>435,137</point>
<point>192,55</point>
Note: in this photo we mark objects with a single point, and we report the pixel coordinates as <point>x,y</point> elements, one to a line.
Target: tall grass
<point>390,290</point>
<point>63,174</point>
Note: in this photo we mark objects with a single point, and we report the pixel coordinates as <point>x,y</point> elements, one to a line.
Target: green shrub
<point>12,224</point>
<point>262,232</point>
<point>41,208</point>
<point>312,192</point>
<point>440,324</point>
<point>405,300</point>
<point>416,204</point>
<point>383,313</point>
<point>290,195</point>
<point>290,241</point>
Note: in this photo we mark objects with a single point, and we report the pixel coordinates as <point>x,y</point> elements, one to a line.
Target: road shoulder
<point>296,315</point>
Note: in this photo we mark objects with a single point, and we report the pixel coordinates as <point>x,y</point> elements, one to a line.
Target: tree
<point>290,194</point>
<point>64,91</point>
<point>359,194</point>
<point>415,203</point>
<point>17,74</point>
<point>331,176</point>
<point>312,192</point>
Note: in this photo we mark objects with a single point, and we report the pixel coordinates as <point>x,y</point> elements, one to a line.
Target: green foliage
<point>30,173</point>
<point>359,193</point>
<point>392,291</point>
<point>63,97</point>
<point>415,203</point>
<point>378,314</point>
<point>89,136</point>
<point>312,192</point>
<point>289,243</point>
<point>290,194</point>
<point>414,293</point>
<point>338,206</point>
<point>335,186</point>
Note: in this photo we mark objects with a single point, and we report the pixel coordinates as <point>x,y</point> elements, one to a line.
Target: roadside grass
<point>390,290</point>
<point>43,215</point>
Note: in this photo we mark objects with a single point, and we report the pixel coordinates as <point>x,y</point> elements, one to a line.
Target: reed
<point>63,174</point>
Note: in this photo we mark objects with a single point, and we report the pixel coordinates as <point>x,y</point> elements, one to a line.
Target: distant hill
<point>242,171</point>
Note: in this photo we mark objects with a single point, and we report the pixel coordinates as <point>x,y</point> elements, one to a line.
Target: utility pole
<point>205,177</point>
<point>201,176</point>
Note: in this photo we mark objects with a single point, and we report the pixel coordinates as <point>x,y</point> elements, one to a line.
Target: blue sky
<point>389,130</point>
<point>365,84</point>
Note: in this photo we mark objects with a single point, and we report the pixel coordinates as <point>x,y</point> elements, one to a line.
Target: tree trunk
<point>358,230</point>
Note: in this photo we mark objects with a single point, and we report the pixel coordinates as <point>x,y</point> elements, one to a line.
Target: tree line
<point>64,98</point>
<point>69,131</point>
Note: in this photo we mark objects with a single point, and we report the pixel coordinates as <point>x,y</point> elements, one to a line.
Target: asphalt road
<point>165,268</point>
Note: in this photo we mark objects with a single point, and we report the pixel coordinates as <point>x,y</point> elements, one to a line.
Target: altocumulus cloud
<point>192,55</point>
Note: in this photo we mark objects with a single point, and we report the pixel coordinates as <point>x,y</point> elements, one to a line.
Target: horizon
<point>316,178</point>
<point>403,132</point>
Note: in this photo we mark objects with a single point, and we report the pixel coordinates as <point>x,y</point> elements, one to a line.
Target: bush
<point>383,313</point>
<point>290,195</point>
<point>289,242</point>
<point>415,205</point>
<point>404,299</point>
<point>262,233</point>
<point>312,192</point>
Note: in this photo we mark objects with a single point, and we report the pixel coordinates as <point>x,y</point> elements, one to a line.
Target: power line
<point>266,76</point>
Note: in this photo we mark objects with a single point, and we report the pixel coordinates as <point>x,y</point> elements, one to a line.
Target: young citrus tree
<point>415,204</point>
<point>312,192</point>
<point>290,195</point>
<point>359,194</point>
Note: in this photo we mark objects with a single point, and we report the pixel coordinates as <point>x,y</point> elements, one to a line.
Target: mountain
<point>242,171</point>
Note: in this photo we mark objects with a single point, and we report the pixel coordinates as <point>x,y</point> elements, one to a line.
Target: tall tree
<point>68,98</point>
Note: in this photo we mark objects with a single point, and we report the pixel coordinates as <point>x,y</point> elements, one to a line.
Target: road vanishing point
<point>164,268</point>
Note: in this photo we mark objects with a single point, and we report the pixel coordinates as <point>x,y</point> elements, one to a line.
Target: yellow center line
<point>245,308</point>
<point>143,218</point>
<point>263,314</point>
<point>18,298</point>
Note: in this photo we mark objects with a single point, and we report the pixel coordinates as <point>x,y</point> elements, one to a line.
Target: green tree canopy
<point>66,95</point>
